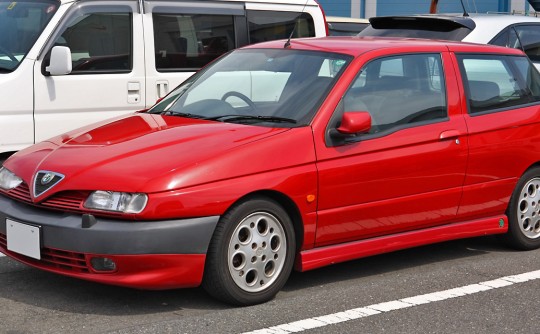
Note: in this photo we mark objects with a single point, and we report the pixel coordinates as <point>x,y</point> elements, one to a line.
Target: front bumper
<point>148,255</point>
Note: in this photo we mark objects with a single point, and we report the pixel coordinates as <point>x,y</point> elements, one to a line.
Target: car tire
<point>524,212</point>
<point>251,253</point>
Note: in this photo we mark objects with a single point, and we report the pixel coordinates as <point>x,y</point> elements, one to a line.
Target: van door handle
<point>134,92</point>
<point>449,135</point>
<point>162,88</point>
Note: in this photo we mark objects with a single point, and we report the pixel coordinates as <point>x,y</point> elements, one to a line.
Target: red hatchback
<point>279,156</point>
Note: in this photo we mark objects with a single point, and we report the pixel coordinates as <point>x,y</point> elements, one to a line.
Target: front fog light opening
<point>103,264</point>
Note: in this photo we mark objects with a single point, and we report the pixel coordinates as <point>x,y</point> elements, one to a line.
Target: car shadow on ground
<point>37,288</point>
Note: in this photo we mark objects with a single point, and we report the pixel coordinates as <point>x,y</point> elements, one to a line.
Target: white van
<point>64,64</point>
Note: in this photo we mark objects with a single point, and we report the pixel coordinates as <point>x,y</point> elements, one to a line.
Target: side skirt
<point>324,256</point>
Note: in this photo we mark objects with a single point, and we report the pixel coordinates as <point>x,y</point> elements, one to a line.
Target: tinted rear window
<point>417,28</point>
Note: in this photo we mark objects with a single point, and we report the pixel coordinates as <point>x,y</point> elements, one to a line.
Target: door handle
<point>449,134</point>
<point>162,88</point>
<point>134,92</point>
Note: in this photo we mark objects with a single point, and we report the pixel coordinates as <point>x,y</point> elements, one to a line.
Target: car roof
<point>355,46</point>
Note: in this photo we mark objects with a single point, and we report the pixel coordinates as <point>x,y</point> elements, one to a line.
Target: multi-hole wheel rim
<point>528,209</point>
<point>257,252</point>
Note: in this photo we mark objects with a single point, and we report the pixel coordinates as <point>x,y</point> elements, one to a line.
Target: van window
<point>269,25</point>
<point>190,41</point>
<point>99,43</point>
<point>399,91</point>
<point>498,82</point>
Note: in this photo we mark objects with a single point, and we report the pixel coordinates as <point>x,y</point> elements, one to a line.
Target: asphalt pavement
<point>34,301</point>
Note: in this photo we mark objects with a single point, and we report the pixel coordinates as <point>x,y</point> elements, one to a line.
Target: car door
<point>503,110</point>
<point>407,172</point>
<point>107,78</point>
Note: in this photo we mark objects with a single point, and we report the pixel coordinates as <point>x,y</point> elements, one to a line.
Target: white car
<point>515,31</point>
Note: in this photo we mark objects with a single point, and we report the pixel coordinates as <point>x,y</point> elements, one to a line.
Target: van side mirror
<point>60,63</point>
<point>353,123</point>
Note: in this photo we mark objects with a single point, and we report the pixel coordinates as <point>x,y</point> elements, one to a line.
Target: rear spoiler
<point>425,22</point>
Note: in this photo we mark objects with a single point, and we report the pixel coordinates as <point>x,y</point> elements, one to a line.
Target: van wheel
<point>524,212</point>
<point>251,254</point>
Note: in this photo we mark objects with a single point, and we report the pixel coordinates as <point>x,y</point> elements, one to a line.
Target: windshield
<point>269,87</point>
<point>21,23</point>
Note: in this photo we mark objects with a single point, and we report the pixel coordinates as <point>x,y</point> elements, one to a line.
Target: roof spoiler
<point>436,23</point>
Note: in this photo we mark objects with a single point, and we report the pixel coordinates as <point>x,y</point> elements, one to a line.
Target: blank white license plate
<point>23,239</point>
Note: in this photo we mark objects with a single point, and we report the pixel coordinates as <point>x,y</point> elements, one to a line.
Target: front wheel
<point>524,212</point>
<point>251,253</point>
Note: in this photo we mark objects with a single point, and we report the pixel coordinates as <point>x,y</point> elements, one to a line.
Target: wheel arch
<point>288,205</point>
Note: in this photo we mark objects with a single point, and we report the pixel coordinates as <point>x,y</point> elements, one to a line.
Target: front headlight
<point>116,201</point>
<point>8,180</point>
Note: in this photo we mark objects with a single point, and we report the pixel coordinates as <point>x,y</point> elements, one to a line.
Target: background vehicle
<point>345,26</point>
<point>286,155</point>
<point>123,55</point>
<point>515,31</point>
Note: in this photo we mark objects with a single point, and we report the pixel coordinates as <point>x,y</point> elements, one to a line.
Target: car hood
<point>152,153</point>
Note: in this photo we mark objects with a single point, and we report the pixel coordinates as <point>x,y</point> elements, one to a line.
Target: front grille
<point>63,201</point>
<point>66,201</point>
<point>22,193</point>
<point>54,258</point>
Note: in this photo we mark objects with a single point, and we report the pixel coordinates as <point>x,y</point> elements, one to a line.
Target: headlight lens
<point>8,180</point>
<point>116,201</point>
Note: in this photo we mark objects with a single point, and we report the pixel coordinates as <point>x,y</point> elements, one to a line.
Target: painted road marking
<point>366,311</point>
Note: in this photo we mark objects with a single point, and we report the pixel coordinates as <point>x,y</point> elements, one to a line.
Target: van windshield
<point>21,23</point>
<point>266,87</point>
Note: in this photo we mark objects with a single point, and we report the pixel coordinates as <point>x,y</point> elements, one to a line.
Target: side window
<point>507,38</point>
<point>493,82</point>
<point>530,39</point>
<point>99,42</point>
<point>190,41</point>
<point>268,25</point>
<point>399,91</point>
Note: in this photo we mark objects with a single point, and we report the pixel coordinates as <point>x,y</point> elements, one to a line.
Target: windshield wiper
<point>5,70</point>
<point>182,114</point>
<point>259,118</point>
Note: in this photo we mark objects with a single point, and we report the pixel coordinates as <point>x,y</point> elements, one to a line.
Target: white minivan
<point>67,63</point>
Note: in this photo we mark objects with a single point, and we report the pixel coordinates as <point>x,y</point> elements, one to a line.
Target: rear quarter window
<point>495,83</point>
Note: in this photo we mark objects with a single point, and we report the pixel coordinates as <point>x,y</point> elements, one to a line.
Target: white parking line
<point>362,312</point>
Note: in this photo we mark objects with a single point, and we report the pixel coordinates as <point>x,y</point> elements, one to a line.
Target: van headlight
<point>116,201</point>
<point>8,180</point>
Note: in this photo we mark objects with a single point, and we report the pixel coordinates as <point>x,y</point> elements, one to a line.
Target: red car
<point>286,154</point>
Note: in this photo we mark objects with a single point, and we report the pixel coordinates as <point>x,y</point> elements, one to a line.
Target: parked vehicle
<point>65,64</point>
<point>303,153</point>
<point>515,31</point>
<point>345,26</point>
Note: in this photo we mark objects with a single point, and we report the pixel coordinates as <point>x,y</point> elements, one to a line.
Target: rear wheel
<point>524,212</point>
<point>251,253</point>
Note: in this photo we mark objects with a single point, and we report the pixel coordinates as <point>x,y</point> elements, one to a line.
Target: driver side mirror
<point>353,123</point>
<point>60,63</point>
